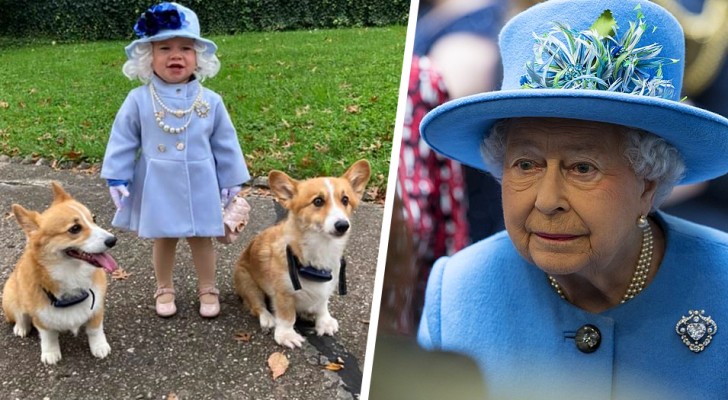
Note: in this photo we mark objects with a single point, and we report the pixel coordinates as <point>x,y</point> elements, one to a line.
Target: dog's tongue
<point>105,261</point>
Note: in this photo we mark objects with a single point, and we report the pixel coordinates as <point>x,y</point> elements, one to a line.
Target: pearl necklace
<point>639,279</point>
<point>200,106</point>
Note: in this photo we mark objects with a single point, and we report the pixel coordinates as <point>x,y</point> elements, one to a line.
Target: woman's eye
<point>525,165</point>
<point>583,168</point>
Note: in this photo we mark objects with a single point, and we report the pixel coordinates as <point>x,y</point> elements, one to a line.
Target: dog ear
<point>59,194</point>
<point>28,220</point>
<point>282,185</point>
<point>358,175</point>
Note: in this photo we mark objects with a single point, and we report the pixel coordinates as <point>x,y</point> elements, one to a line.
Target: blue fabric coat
<point>175,179</point>
<point>487,302</point>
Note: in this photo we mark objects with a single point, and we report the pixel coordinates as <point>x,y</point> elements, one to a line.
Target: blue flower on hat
<point>159,17</point>
<point>598,59</point>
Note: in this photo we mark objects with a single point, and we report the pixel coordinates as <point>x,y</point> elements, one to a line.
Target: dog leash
<point>314,274</point>
<point>68,302</point>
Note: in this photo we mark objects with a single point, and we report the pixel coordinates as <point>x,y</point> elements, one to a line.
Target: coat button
<point>588,338</point>
<point>162,148</point>
<point>180,146</point>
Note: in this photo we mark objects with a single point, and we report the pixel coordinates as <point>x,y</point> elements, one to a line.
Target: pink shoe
<point>209,310</point>
<point>165,309</point>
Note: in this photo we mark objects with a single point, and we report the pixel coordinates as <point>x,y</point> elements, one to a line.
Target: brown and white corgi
<point>59,282</point>
<point>297,262</point>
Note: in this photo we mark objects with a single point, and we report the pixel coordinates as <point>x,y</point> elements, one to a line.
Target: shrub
<point>71,20</point>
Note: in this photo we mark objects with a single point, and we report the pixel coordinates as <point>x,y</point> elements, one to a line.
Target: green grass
<point>309,102</point>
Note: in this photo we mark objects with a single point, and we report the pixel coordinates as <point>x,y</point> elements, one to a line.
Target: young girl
<point>173,156</point>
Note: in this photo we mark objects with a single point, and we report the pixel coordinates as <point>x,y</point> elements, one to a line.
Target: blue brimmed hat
<point>614,61</point>
<point>165,21</point>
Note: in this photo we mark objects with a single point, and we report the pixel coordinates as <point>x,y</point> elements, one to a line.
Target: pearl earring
<point>642,222</point>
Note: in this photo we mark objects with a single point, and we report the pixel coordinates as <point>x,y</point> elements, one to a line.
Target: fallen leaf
<point>352,109</point>
<point>9,215</point>
<point>242,337</point>
<point>4,104</point>
<point>278,363</point>
<point>373,192</point>
<point>73,154</point>
<point>119,275</point>
<point>332,366</point>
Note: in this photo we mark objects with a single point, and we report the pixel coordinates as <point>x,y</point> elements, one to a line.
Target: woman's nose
<point>551,196</point>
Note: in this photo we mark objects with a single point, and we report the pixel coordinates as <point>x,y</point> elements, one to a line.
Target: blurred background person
<point>401,369</point>
<point>455,55</point>
<point>705,23</point>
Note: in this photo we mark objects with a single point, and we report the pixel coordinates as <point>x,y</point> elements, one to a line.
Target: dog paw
<point>20,330</point>
<point>327,326</point>
<point>289,338</point>
<point>101,350</point>
<point>267,321</point>
<point>50,357</point>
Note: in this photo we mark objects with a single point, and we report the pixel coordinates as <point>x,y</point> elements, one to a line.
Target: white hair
<point>649,156</point>
<point>139,65</point>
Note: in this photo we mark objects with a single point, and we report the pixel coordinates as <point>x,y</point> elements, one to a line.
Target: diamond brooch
<point>696,330</point>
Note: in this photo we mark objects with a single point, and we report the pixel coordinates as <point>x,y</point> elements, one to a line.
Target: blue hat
<point>165,21</point>
<point>613,61</point>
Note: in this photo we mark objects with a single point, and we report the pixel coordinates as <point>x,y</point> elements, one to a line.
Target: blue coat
<point>487,302</point>
<point>175,179</point>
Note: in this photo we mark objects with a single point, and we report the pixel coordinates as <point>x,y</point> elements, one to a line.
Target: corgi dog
<point>296,263</point>
<point>59,282</point>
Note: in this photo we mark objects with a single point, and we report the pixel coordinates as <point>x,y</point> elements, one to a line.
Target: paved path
<point>185,355</point>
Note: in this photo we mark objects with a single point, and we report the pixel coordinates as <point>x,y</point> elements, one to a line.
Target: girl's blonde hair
<point>139,65</point>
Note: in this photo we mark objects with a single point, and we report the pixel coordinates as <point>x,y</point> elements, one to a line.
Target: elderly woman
<point>591,292</point>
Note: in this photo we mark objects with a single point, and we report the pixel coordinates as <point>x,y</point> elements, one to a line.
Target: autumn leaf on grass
<point>73,155</point>
<point>242,337</point>
<point>119,275</point>
<point>352,109</point>
<point>4,104</point>
<point>278,363</point>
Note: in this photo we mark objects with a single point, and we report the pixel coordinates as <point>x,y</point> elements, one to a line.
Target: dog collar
<point>64,302</point>
<point>295,269</point>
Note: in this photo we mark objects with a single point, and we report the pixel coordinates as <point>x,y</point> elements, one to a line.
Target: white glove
<point>227,194</point>
<point>119,193</point>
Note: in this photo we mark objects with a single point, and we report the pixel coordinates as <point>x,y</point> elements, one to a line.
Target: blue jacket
<point>488,303</point>
<point>175,179</point>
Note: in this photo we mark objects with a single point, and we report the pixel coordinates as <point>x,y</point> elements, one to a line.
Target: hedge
<point>69,20</point>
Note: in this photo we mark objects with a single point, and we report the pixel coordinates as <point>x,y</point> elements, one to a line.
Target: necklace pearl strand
<point>200,106</point>
<point>639,279</point>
